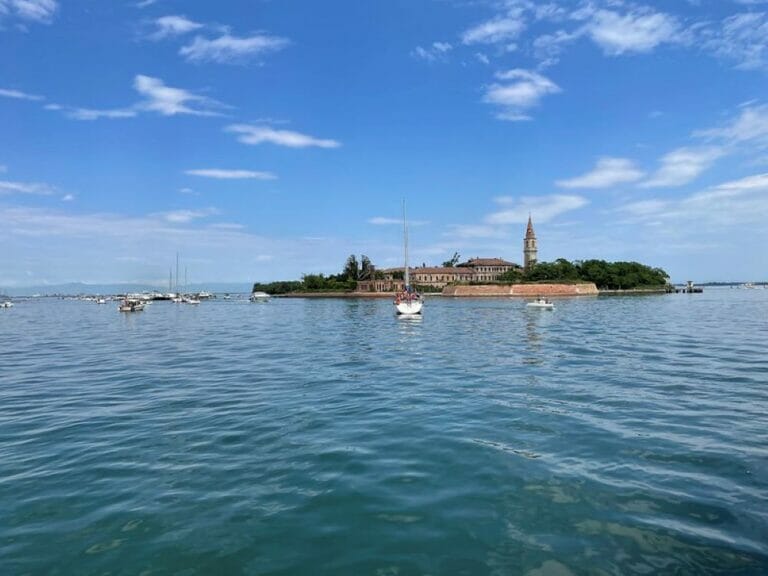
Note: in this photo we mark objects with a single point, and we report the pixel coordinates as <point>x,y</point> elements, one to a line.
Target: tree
<point>351,268</point>
<point>453,261</point>
<point>366,268</point>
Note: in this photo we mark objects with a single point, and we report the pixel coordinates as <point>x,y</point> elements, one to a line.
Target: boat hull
<point>410,308</point>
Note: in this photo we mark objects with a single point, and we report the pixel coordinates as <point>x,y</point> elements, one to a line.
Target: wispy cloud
<point>437,51</point>
<point>544,208</point>
<point>31,10</point>
<point>751,125</point>
<point>736,202</point>
<point>639,30</point>
<point>515,210</point>
<point>518,91</point>
<point>606,173</point>
<point>252,134</point>
<point>8,187</point>
<point>173,25</point>
<point>170,101</point>
<point>18,94</point>
<point>186,216</point>
<point>743,39</point>
<point>682,166</point>
<point>502,28</point>
<point>221,174</point>
<point>157,97</point>
<point>93,114</point>
<point>228,49</point>
<point>385,221</point>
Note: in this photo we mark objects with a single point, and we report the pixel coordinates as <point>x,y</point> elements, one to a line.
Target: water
<point>611,436</point>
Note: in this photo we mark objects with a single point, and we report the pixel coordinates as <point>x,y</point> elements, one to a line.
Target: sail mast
<point>405,244</point>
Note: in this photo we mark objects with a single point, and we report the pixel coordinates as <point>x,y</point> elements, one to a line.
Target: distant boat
<point>190,300</point>
<point>409,301</point>
<point>259,297</point>
<point>7,304</point>
<point>541,303</point>
<point>131,305</point>
<point>101,301</point>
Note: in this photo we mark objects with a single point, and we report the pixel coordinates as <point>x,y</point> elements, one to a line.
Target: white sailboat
<point>408,302</point>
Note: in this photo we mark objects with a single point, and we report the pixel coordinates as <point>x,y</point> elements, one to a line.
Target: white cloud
<point>8,187</point>
<point>18,94</point>
<point>750,126</point>
<point>34,10</point>
<point>521,90</point>
<point>500,29</point>
<point>606,173</point>
<point>228,49</point>
<point>437,51</point>
<point>737,202</point>
<point>742,39</point>
<point>636,31</point>
<point>543,208</point>
<point>92,114</point>
<point>251,134</point>
<point>385,221</point>
<point>173,25</point>
<point>186,216</point>
<point>682,166</point>
<point>229,175</point>
<point>68,198</point>
<point>145,3</point>
<point>169,101</point>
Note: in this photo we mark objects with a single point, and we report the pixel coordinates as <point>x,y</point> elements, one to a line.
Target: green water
<point>611,436</point>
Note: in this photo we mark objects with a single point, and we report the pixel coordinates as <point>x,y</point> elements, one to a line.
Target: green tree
<point>453,261</point>
<point>351,268</point>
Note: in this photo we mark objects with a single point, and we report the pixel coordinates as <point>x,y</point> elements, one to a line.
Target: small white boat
<point>131,305</point>
<point>101,301</point>
<point>259,297</point>
<point>7,304</point>
<point>542,303</point>
<point>190,300</point>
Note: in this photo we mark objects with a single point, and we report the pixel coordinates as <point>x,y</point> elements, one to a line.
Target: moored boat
<point>131,305</point>
<point>409,301</point>
<point>259,297</point>
<point>541,303</point>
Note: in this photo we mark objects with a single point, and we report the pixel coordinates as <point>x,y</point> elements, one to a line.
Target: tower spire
<point>530,247</point>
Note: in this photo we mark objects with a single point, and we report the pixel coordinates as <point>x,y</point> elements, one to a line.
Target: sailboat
<point>408,302</point>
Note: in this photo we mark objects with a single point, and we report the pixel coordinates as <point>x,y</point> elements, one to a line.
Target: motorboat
<point>101,301</point>
<point>408,302</point>
<point>7,304</point>
<point>190,300</point>
<point>259,297</point>
<point>542,303</point>
<point>131,305</point>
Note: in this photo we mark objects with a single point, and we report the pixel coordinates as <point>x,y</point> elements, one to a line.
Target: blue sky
<point>266,139</point>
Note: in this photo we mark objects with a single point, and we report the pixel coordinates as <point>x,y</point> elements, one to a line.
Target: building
<point>488,269</point>
<point>530,247</point>
<point>474,270</point>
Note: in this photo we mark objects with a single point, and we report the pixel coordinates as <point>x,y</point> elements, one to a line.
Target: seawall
<point>522,290</point>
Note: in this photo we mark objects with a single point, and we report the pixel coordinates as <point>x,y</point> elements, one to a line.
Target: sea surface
<point>613,435</point>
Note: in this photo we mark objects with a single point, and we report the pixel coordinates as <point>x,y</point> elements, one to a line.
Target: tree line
<point>344,281</point>
<point>605,275</point>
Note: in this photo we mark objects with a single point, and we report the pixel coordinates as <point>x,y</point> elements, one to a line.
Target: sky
<point>262,140</point>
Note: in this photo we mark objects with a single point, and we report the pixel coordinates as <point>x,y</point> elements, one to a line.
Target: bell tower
<point>530,249</point>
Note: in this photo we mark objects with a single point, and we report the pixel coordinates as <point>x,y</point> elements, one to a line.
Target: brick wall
<point>523,290</point>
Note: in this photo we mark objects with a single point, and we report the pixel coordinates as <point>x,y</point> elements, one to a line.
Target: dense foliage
<point>605,275</point>
<point>345,281</point>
